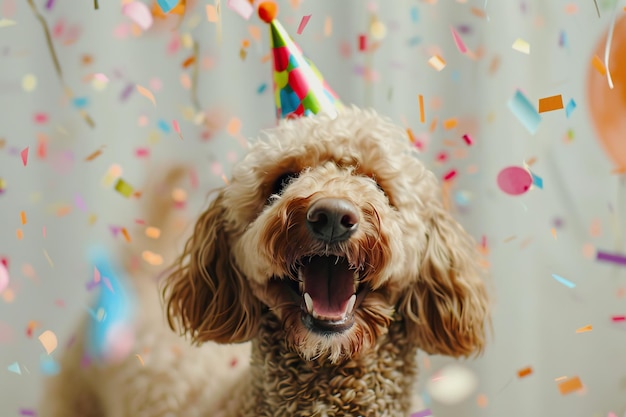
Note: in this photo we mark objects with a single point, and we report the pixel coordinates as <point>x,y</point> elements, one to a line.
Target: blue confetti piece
<point>415,14</point>
<point>571,105</point>
<point>563,42</point>
<point>48,365</point>
<point>261,88</point>
<point>415,40</point>
<point>525,112</point>
<point>456,76</point>
<point>80,102</point>
<point>167,5</point>
<point>537,181</point>
<point>164,126</point>
<point>568,284</point>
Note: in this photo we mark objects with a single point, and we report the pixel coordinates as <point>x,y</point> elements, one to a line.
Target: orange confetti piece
<point>152,258</point>
<point>211,13</point>
<point>478,12</point>
<point>328,26</point>
<point>153,232</point>
<point>189,61</point>
<point>570,385</point>
<point>23,217</point>
<point>49,341</point>
<point>20,234</point>
<point>450,123</point>
<point>571,8</point>
<point>585,329</point>
<point>125,234</point>
<point>550,103</point>
<point>598,65</point>
<point>42,145</point>
<point>63,211</point>
<point>422,110</point>
<point>437,62</point>
<point>234,126</point>
<point>433,125</point>
<point>553,230</point>
<point>482,401</point>
<point>509,239</point>
<point>146,93</point>
<point>139,358</point>
<point>524,372</point>
<point>93,155</point>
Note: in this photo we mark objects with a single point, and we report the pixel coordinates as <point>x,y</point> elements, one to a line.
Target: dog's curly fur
<point>419,286</point>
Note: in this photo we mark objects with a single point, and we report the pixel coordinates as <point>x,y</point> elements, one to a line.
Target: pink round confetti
<point>514,180</point>
<point>41,118</point>
<point>4,277</point>
<point>155,84</point>
<point>216,168</point>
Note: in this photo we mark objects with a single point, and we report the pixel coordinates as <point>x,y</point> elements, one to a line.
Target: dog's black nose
<point>332,219</point>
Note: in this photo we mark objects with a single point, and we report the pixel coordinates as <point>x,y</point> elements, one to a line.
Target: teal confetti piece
<point>167,5</point>
<point>537,181</point>
<point>525,112</point>
<point>80,102</point>
<point>261,88</point>
<point>568,284</point>
<point>415,14</point>
<point>164,126</point>
<point>15,368</point>
<point>571,105</point>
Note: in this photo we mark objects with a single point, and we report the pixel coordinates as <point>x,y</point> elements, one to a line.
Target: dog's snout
<point>332,219</point>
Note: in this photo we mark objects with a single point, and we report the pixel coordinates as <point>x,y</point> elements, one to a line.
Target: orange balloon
<point>607,107</point>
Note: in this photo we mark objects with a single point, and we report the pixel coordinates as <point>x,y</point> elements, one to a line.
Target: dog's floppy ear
<point>206,295</point>
<point>446,311</point>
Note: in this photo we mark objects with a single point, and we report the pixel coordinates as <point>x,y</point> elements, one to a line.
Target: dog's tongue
<point>330,283</point>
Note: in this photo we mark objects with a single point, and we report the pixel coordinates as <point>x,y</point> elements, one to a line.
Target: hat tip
<point>268,10</point>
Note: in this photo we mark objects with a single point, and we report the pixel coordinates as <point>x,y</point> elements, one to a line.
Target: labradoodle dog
<point>331,253</point>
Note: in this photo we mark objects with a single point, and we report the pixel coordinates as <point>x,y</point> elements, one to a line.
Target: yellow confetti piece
<point>153,232</point>
<point>23,217</point>
<point>585,329</point>
<point>29,82</point>
<point>49,341</point>
<point>570,385</point>
<point>140,359</point>
<point>125,234</point>
<point>20,234</point>
<point>437,62</point>
<point>450,123</point>
<point>123,188</point>
<point>4,23</point>
<point>146,93</point>
<point>152,258</point>
<point>92,219</point>
<point>45,253</point>
<point>522,46</point>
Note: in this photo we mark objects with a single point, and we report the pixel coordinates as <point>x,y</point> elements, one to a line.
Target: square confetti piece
<point>570,385</point>
<point>550,103</point>
<point>123,188</point>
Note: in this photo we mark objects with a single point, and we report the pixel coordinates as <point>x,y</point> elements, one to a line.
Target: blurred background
<point>135,89</point>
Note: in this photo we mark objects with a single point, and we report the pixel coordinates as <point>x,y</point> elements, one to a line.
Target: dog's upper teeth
<point>308,301</point>
<point>350,305</point>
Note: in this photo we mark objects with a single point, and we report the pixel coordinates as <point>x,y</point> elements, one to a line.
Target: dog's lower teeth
<point>350,305</point>
<point>308,301</point>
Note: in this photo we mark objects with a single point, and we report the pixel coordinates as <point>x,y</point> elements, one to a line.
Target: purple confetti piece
<point>127,92</point>
<point>424,413</point>
<point>49,4</point>
<point>80,203</point>
<point>611,257</point>
<point>27,412</point>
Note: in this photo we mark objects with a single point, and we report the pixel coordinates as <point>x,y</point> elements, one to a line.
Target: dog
<point>327,261</point>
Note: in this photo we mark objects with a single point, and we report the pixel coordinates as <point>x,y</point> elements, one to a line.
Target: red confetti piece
<point>42,146</point>
<point>451,174</point>
<point>468,139</point>
<point>362,42</point>
<point>618,319</point>
<point>24,155</point>
<point>303,23</point>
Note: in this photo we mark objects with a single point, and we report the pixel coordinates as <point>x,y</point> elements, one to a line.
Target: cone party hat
<point>299,88</point>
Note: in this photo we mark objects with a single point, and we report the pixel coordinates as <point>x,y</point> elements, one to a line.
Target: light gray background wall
<point>535,317</point>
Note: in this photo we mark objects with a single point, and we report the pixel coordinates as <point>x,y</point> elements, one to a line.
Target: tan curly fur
<point>237,281</point>
<point>419,266</point>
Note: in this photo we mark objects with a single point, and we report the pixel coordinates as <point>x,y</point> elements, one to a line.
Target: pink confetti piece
<point>28,412</point>
<point>177,128</point>
<point>139,13</point>
<point>468,139</point>
<point>242,7</point>
<point>80,203</point>
<point>146,93</point>
<point>40,118</point>
<point>44,232</point>
<point>24,155</point>
<point>618,319</point>
<point>303,23</point>
<point>4,277</point>
<point>458,41</point>
<point>142,152</point>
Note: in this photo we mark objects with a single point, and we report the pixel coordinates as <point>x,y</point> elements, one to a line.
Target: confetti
<point>450,175</point>
<point>19,234</point>
<point>550,103</point>
<point>424,413</point>
<point>5,23</point>
<point>23,217</point>
<point>422,114</point>
<point>139,13</point>
<point>563,281</point>
<point>514,180</point>
<point>522,46</point>
<point>523,109</point>
<point>618,319</point>
<point>45,254</point>
<point>303,23</point>
<point>450,123</point>
<point>4,277</point>
<point>152,258</point>
<point>328,26</point>
<point>615,258</point>
<point>524,372</point>
<point>153,232</point>
<point>123,188</point>
<point>437,62</point>
<point>15,368</point>
<point>362,43</point>
<point>24,155</point>
<point>211,13</point>
<point>29,82</point>
<point>49,341</point>
<point>537,181</point>
<point>140,359</point>
<point>570,385</point>
<point>468,139</point>
<point>585,329</point>
<point>452,384</point>
<point>598,65</point>
<point>146,93</point>
<point>177,128</point>
<point>167,5</point>
<point>242,7</point>
<point>571,105</point>
<point>163,126</point>
<point>458,41</point>
<point>125,234</point>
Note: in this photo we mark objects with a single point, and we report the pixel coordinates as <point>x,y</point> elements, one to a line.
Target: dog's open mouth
<point>329,293</point>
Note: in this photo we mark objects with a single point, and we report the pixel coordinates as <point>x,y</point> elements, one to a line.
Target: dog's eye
<point>282,181</point>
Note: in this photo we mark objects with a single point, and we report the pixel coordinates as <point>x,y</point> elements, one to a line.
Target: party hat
<point>299,88</point>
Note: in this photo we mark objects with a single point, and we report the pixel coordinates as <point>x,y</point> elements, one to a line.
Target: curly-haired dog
<point>331,252</point>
